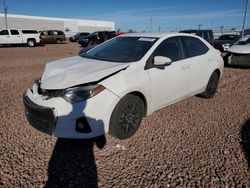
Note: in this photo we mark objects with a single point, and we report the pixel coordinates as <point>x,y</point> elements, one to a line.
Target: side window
<point>50,33</point>
<point>14,32</point>
<point>4,32</point>
<point>55,33</point>
<point>60,33</point>
<point>29,31</point>
<point>194,47</point>
<point>170,48</point>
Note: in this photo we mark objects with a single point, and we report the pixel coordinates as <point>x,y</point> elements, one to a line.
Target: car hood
<point>239,49</point>
<point>77,70</point>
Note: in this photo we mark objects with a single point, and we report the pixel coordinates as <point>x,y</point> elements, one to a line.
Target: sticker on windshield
<point>147,39</point>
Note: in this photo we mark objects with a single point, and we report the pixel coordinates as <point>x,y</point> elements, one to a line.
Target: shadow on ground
<point>245,140</point>
<point>72,163</point>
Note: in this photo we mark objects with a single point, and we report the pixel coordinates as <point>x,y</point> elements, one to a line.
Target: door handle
<point>8,36</point>
<point>184,67</point>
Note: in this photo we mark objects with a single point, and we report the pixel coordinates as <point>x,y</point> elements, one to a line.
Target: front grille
<point>41,118</point>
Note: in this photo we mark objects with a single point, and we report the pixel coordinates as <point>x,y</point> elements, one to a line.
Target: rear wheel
<point>126,117</point>
<point>31,42</point>
<point>211,86</point>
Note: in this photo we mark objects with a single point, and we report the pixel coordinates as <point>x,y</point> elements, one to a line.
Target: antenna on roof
<point>5,13</point>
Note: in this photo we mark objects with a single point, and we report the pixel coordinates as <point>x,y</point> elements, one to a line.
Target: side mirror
<point>161,60</point>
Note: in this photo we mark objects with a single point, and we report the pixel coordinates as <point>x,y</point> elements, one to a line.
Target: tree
<point>131,31</point>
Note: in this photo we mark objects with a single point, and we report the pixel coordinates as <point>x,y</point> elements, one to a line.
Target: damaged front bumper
<point>39,117</point>
<point>239,59</point>
<point>60,118</point>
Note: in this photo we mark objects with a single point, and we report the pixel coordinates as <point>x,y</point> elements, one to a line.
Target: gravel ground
<point>194,143</point>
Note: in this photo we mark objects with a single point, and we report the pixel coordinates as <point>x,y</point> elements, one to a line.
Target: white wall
<point>41,23</point>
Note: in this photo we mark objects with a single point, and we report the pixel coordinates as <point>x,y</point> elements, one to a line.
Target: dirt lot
<point>194,143</point>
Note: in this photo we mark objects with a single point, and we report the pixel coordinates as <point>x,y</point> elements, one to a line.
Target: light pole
<point>5,13</point>
<point>244,20</point>
<point>222,29</point>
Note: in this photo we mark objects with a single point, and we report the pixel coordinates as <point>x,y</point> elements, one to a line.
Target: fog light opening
<point>82,125</point>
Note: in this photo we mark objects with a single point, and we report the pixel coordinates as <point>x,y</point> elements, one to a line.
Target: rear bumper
<point>39,117</point>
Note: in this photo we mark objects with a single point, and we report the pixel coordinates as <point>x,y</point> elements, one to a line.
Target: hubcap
<point>129,117</point>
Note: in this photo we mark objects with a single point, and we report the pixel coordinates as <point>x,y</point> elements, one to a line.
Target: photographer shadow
<point>72,163</point>
<point>245,140</point>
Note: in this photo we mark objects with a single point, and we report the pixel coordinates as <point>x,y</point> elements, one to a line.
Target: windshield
<point>122,49</point>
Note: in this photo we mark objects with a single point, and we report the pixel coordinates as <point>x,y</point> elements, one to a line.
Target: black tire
<point>211,86</point>
<point>31,42</point>
<point>58,41</point>
<point>126,117</point>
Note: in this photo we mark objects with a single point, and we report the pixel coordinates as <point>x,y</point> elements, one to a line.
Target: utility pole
<point>199,25</point>
<point>151,23</point>
<point>222,29</point>
<point>244,20</point>
<point>159,29</point>
<point>5,13</point>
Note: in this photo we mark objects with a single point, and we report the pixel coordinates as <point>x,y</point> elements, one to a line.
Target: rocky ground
<point>194,143</point>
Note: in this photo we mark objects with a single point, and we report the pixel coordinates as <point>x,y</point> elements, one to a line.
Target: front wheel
<point>211,86</point>
<point>31,43</point>
<point>126,117</point>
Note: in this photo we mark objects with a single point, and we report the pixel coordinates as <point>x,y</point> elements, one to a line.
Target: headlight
<point>78,94</point>
<point>225,46</point>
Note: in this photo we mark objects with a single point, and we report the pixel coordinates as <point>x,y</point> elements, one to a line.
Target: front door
<point>169,84</point>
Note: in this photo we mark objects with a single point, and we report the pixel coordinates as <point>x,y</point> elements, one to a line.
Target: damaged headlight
<point>78,94</point>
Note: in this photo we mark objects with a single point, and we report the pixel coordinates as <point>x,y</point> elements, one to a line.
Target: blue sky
<point>147,15</point>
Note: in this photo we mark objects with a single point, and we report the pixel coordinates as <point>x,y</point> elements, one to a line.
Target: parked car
<point>225,41</point>
<point>111,87</point>
<point>77,36</point>
<point>96,38</point>
<point>239,54</point>
<point>19,36</point>
<point>207,34</point>
<point>52,36</point>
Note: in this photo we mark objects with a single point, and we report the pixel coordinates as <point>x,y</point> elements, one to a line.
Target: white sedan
<point>111,87</point>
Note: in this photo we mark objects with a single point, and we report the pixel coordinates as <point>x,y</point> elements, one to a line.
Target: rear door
<point>16,37</point>
<point>50,37</point>
<point>5,37</point>
<point>197,53</point>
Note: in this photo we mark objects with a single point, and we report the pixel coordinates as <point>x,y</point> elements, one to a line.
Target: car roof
<point>155,35</point>
<point>245,38</point>
<point>196,30</point>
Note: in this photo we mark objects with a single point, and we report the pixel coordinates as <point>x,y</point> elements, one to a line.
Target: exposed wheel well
<point>217,71</point>
<point>31,39</point>
<point>143,98</point>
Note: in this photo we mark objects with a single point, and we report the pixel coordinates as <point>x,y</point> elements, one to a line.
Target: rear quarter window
<point>29,32</point>
<point>60,33</point>
<point>193,47</point>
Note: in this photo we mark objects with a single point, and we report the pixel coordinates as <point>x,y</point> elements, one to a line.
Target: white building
<point>69,26</point>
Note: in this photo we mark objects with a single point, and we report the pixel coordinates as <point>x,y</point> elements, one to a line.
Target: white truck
<point>19,36</point>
